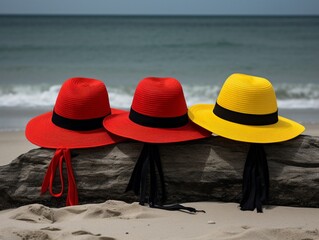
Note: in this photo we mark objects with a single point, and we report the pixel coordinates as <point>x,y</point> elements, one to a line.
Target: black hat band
<point>158,122</point>
<point>245,118</point>
<point>77,124</point>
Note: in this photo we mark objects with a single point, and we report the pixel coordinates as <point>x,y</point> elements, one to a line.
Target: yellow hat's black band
<point>158,122</point>
<point>245,118</point>
<point>77,124</point>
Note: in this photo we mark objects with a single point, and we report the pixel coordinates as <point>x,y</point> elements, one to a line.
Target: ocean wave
<point>297,91</point>
<point>205,44</point>
<point>28,96</point>
<point>295,96</point>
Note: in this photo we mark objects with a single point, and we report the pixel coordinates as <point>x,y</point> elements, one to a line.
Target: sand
<point>120,220</point>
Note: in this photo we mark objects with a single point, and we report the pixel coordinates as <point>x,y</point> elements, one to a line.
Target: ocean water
<point>38,53</point>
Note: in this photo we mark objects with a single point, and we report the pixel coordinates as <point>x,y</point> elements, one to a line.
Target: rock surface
<point>203,170</point>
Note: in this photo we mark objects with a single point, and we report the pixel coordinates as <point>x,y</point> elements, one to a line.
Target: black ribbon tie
<point>255,189</point>
<point>144,180</point>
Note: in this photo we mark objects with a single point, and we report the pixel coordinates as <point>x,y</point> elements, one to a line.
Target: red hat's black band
<point>76,124</point>
<point>245,118</point>
<point>158,122</point>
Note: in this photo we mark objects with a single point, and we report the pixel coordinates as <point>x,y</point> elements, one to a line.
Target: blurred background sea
<point>38,53</point>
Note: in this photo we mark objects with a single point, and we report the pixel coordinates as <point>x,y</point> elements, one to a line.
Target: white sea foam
<point>119,98</point>
<point>296,96</point>
<point>28,96</point>
<point>288,96</point>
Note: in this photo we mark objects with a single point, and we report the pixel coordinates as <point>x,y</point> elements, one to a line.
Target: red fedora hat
<point>158,114</point>
<point>76,120</point>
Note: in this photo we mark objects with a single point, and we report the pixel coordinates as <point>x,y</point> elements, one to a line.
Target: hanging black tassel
<point>148,166</point>
<point>255,179</point>
<point>147,169</point>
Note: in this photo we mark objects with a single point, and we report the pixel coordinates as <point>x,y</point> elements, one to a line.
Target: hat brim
<point>42,132</point>
<point>121,125</point>
<point>284,129</point>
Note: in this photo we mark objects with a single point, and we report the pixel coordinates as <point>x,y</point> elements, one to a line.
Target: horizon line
<point>155,15</point>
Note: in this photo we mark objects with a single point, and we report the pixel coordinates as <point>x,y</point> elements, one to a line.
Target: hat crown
<point>159,97</point>
<point>82,98</point>
<point>247,94</point>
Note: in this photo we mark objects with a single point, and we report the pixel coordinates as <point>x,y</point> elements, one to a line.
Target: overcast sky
<point>149,7</point>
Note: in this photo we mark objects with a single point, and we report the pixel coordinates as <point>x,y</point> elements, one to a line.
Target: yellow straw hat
<point>246,110</point>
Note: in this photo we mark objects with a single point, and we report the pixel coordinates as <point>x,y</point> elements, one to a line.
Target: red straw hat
<point>158,114</point>
<point>76,120</point>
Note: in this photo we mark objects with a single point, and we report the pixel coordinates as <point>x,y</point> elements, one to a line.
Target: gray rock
<point>203,170</point>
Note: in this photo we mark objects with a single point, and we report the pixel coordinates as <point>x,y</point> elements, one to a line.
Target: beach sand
<point>119,220</point>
